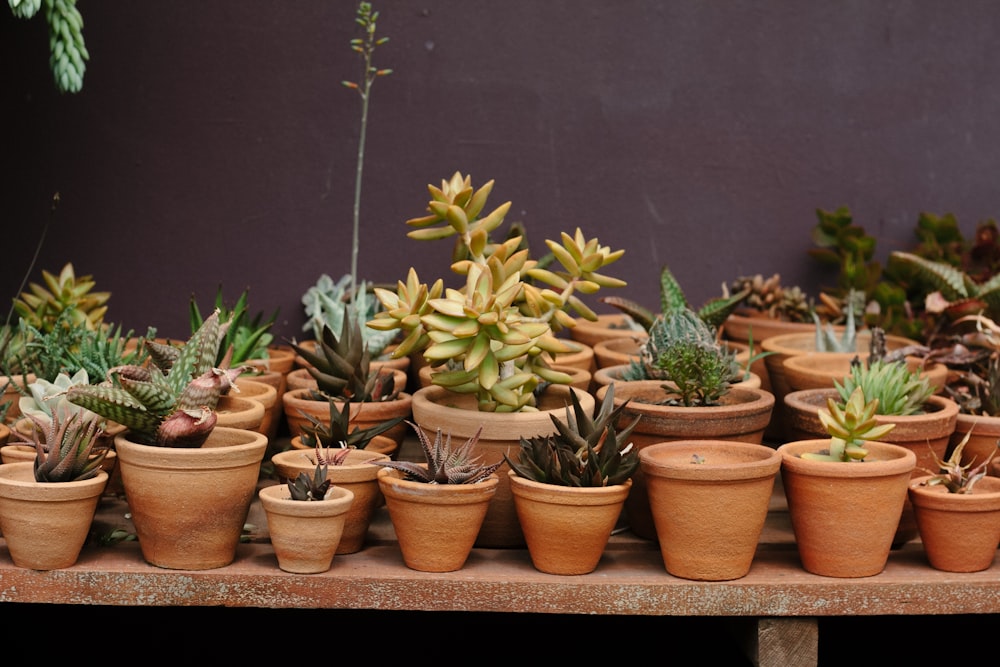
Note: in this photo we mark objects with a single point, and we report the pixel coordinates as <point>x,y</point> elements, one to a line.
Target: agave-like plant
<point>584,451</point>
<point>65,450</point>
<point>171,402</point>
<point>444,464</point>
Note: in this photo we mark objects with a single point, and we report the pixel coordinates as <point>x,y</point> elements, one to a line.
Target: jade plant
<point>850,426</point>
<point>170,402</point>
<point>444,464</point>
<point>66,450</point>
<point>584,451</point>
<point>488,336</point>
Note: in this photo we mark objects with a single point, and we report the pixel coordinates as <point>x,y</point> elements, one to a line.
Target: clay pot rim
<point>743,460</point>
<point>944,407</point>
<point>470,493</point>
<point>307,454</point>
<point>889,459</point>
<point>938,497</point>
<point>746,398</point>
<point>598,494</point>
<point>20,475</point>
<point>277,498</point>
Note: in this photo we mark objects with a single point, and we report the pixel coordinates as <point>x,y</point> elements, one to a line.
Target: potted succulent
<point>171,441</point>
<point>694,397</point>
<point>437,507</point>
<point>846,492</point>
<point>491,342</point>
<point>47,505</point>
<point>570,487</point>
<point>343,372</point>
<point>957,509</point>
<point>306,517</point>
<point>709,500</point>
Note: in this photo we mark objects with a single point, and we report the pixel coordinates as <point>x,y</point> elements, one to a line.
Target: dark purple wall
<point>213,142</point>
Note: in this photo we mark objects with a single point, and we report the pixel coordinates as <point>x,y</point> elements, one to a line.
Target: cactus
<point>170,403</point>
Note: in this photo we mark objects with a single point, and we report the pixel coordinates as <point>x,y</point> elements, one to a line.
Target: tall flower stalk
<point>365,46</point>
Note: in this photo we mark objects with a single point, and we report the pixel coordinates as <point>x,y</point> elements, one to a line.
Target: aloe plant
<point>66,450</point>
<point>170,402</point>
<point>444,464</point>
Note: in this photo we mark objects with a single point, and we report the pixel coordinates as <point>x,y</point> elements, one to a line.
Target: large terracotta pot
<point>960,532</point>
<point>363,415</point>
<point>926,435</point>
<point>845,515</point>
<point>820,371</point>
<point>742,415</point>
<point>436,524</point>
<point>45,525</point>
<point>566,528</point>
<point>709,500</point>
<point>189,505</point>
<point>356,474</point>
<point>436,407</point>
<point>305,534</point>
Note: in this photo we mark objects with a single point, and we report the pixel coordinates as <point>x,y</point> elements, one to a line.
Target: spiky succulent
<point>65,450</point>
<point>899,390</point>
<point>42,305</point>
<point>958,478</point>
<point>338,432</point>
<point>584,451</point>
<point>850,428</point>
<point>328,303</point>
<point>444,464</point>
<point>317,486</point>
<point>248,336</point>
<point>342,367</point>
<point>170,402</point>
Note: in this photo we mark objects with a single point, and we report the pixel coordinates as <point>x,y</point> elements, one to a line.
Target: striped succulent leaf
<point>118,405</point>
<point>198,354</point>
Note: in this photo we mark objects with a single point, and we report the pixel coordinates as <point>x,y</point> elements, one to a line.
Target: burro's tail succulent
<point>171,402</point>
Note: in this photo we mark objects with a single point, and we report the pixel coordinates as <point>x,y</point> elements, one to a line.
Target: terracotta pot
<point>363,415</point>
<point>926,435</point>
<point>741,325</point>
<point>780,347</point>
<point>356,474</point>
<point>189,504</point>
<point>305,534</point>
<point>45,524</point>
<point>607,326</point>
<point>12,387</point>
<point>982,441</point>
<point>609,374</point>
<point>618,351</point>
<point>960,532</point>
<point>436,407</point>
<point>266,395</point>
<point>273,406</point>
<point>583,358</point>
<point>709,515</point>
<point>4,434</point>
<point>21,452</point>
<point>238,412</point>
<point>820,371</point>
<point>845,515</point>
<point>380,444</point>
<point>742,415</point>
<point>436,524</point>
<point>566,528</point>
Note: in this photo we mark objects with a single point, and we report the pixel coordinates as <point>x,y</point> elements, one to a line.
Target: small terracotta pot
<point>363,415</point>
<point>820,371</point>
<point>238,412</point>
<point>436,524</point>
<point>305,534</point>
<point>356,474</point>
<point>566,528</point>
<point>960,532</point>
<point>265,394</point>
<point>45,525</point>
<point>845,515</point>
<point>709,515</point>
<point>618,351</point>
<point>608,325</point>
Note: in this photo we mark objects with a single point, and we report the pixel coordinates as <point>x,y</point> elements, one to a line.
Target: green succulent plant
<point>247,337</point>
<point>444,464</point>
<point>684,351</point>
<point>170,402</point>
<point>42,305</point>
<point>584,451</point>
<point>316,487</point>
<point>488,337</point>
<point>66,450</point>
<point>67,51</point>
<point>329,304</point>
<point>850,426</point>
<point>898,390</point>
<point>342,367</point>
<point>338,432</point>
<point>769,297</point>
